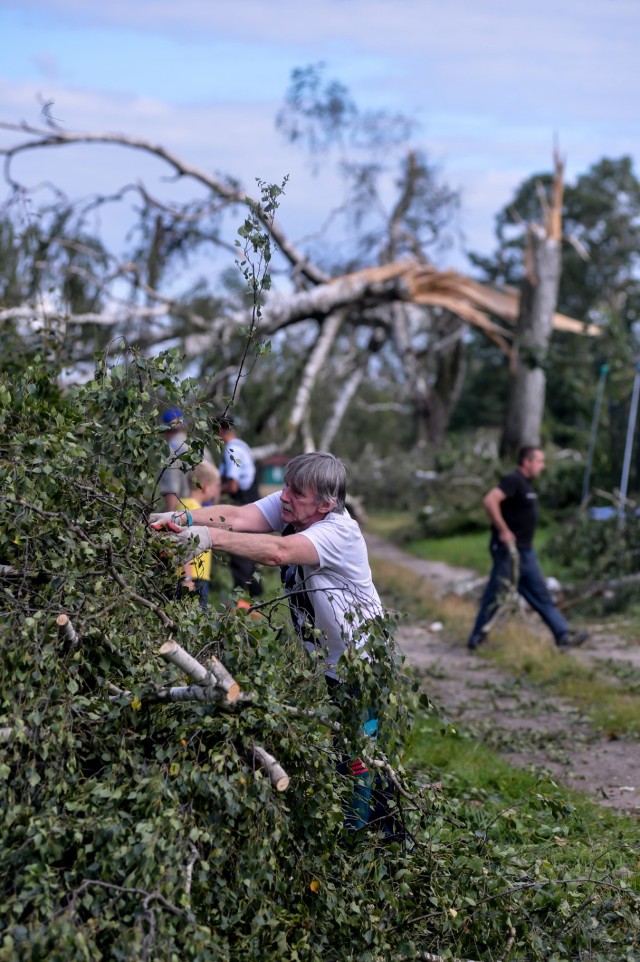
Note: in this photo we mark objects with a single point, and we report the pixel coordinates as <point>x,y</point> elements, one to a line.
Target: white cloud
<point>491,82</point>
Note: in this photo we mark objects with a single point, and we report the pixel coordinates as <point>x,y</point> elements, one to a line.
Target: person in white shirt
<point>325,565</point>
<point>324,546</point>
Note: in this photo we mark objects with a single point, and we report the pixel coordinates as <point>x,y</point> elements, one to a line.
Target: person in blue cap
<point>173,484</point>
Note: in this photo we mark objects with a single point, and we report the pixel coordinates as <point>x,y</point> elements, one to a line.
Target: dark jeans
<point>242,572</point>
<point>372,802</point>
<point>531,586</point>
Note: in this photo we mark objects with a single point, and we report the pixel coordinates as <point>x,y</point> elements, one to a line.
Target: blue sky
<point>489,83</point>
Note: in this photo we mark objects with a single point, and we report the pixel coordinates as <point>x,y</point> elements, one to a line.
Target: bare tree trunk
<point>538,300</point>
<point>445,391</point>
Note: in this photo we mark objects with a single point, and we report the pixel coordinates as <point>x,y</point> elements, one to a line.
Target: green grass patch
<point>469,550</point>
<point>391,524</point>
<point>526,807</point>
<point>462,551</point>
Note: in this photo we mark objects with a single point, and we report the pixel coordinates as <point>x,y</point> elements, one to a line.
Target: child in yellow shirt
<point>204,488</point>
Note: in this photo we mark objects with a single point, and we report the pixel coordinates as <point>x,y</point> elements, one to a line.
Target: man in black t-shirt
<point>512,510</point>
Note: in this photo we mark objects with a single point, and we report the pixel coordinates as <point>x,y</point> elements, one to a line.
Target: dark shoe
<point>572,639</point>
<point>475,641</point>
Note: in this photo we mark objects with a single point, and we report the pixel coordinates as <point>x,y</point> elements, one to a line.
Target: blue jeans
<point>531,586</point>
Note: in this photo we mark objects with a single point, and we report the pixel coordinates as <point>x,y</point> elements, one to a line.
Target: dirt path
<point>511,715</point>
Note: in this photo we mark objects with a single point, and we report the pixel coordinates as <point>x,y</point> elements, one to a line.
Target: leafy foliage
<point>112,804</point>
<point>139,829</point>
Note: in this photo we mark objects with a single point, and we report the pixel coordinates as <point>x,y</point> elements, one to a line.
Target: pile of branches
<point>168,776</point>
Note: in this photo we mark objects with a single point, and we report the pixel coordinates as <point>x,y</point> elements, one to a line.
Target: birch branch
<point>173,652</point>
<point>195,855</point>
<point>277,775</point>
<point>345,396</point>
<point>310,713</point>
<point>313,367</point>
<point>66,629</point>
<point>223,679</point>
<point>210,677</point>
<point>183,693</point>
<point>180,693</point>
<point>41,139</point>
<point>384,766</point>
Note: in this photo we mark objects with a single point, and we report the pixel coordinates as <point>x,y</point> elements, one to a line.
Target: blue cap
<point>173,414</point>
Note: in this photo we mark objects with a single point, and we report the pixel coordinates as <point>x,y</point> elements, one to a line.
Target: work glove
<point>192,541</point>
<point>162,517</point>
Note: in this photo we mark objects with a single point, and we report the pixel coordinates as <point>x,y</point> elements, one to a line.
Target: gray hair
<point>319,473</point>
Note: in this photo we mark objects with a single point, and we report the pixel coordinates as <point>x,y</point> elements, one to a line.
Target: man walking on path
<point>512,510</point>
<point>240,483</point>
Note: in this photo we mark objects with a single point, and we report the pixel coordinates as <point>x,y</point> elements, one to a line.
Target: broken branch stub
<point>277,775</point>
<point>173,652</point>
<point>214,675</point>
<point>66,629</point>
<point>223,679</point>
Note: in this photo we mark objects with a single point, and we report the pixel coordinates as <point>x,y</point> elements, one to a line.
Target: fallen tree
<point>403,313</point>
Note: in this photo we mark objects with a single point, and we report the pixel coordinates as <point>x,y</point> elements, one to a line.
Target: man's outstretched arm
<point>244,517</point>
<point>266,549</point>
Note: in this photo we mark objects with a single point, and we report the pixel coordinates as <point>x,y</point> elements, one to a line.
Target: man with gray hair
<point>325,570</point>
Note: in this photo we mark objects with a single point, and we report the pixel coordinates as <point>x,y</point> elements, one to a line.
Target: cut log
<point>66,629</point>
<point>277,775</point>
<point>223,679</point>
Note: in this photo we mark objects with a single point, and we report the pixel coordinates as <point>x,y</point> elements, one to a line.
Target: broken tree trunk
<point>538,298</point>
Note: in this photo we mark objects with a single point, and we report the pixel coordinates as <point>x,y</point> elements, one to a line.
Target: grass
<point>582,834</point>
<point>467,550</point>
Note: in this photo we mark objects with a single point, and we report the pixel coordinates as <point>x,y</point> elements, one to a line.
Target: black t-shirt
<point>519,508</point>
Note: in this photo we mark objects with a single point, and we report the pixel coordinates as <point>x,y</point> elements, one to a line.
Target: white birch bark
<point>66,629</point>
<point>277,775</point>
<point>340,408</point>
<point>224,680</point>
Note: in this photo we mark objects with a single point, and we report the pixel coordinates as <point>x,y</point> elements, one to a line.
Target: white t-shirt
<point>238,464</point>
<point>341,584</point>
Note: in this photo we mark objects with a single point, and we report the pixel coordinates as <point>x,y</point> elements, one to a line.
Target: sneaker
<point>474,641</point>
<point>572,639</point>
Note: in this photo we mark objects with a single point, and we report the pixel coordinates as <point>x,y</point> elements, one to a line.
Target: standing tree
<point>598,285</point>
<point>538,299</point>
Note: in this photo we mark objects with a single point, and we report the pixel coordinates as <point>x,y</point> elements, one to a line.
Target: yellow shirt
<point>201,564</point>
